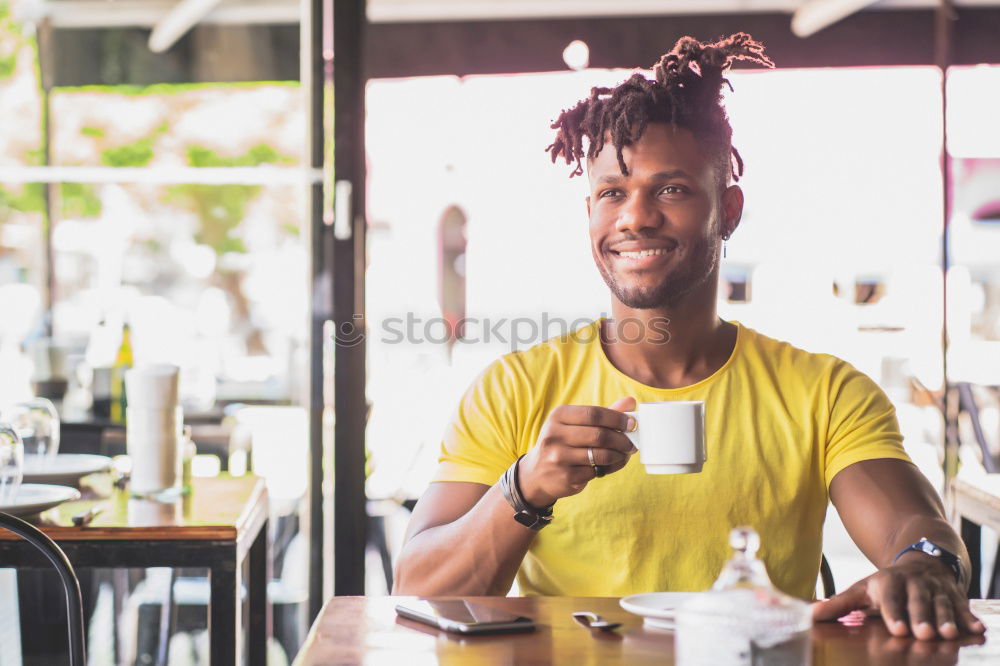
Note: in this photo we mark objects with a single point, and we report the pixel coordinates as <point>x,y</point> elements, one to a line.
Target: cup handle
<point>634,435</point>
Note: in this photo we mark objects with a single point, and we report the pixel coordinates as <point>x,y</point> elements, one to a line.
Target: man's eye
<point>673,190</point>
<point>609,193</point>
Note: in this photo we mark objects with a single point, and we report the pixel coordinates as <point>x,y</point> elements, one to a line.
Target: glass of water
<point>11,463</point>
<point>37,422</point>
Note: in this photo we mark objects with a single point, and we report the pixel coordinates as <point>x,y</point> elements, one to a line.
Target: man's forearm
<point>477,554</point>
<point>935,529</point>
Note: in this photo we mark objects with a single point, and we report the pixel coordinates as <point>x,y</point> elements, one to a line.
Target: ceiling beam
<point>814,15</point>
<point>84,14</point>
<point>177,21</point>
<point>868,38</point>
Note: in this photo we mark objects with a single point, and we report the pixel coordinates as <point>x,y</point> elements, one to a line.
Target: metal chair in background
<point>71,585</point>
<point>826,576</point>
<point>967,404</point>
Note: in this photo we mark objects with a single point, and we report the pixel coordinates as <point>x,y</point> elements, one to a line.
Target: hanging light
<point>576,55</point>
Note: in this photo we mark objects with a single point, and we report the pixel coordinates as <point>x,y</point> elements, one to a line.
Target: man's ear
<point>732,209</point>
<point>588,205</point>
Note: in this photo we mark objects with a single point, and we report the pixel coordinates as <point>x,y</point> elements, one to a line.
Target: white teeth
<point>643,253</point>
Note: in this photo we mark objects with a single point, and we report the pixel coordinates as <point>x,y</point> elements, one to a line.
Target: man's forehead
<point>662,150</point>
<point>616,177</point>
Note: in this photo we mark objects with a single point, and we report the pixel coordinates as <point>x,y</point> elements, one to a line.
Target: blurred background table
<point>220,525</point>
<point>977,503</point>
<point>354,630</point>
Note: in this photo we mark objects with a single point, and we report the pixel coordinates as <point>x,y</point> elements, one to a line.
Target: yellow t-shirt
<point>780,423</point>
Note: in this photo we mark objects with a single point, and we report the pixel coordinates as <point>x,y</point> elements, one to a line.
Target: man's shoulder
<point>781,355</point>
<point>567,347</point>
<point>517,375</point>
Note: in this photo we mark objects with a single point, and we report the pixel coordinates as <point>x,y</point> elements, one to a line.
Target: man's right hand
<point>559,466</point>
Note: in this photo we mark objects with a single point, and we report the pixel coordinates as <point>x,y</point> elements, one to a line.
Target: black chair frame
<point>71,585</point>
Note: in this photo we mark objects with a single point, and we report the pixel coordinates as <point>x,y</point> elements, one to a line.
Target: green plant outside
<point>138,153</point>
<point>221,208</point>
<point>8,65</point>
<point>200,156</point>
<point>79,200</point>
<point>75,200</point>
<point>12,37</point>
<point>31,199</point>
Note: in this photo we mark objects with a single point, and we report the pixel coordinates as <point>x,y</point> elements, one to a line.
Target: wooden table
<point>355,630</point>
<point>977,503</point>
<point>218,526</point>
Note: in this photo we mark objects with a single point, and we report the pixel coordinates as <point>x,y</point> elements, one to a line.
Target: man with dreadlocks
<point>786,431</point>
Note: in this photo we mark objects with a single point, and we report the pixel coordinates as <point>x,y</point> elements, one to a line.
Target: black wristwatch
<point>930,548</point>
<point>525,514</point>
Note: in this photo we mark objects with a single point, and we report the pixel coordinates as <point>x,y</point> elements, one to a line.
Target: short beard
<point>670,293</point>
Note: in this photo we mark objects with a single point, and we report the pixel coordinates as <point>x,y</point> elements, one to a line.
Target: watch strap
<point>928,547</point>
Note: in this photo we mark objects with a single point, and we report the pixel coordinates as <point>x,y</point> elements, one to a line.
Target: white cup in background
<point>152,440</point>
<point>670,436</point>
<point>152,386</point>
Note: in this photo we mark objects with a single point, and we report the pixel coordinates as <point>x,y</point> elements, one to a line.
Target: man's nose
<point>639,212</point>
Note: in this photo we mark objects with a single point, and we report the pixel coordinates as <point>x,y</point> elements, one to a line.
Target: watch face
<point>525,518</point>
<point>531,520</point>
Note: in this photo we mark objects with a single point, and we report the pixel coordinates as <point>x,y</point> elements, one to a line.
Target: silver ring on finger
<point>599,470</point>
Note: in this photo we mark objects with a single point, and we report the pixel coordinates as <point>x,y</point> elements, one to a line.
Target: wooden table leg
<point>224,614</point>
<point>972,536</point>
<point>259,622</point>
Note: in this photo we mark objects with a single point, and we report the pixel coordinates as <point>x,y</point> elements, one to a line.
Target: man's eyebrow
<point>615,179</point>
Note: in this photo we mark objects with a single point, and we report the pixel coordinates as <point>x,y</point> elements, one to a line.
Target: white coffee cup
<point>670,436</point>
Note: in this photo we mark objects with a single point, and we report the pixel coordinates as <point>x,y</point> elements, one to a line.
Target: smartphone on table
<point>464,617</point>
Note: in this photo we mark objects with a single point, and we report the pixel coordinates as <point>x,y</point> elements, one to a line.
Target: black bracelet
<point>525,514</point>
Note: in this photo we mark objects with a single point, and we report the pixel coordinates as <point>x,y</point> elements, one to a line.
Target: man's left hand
<point>917,595</point>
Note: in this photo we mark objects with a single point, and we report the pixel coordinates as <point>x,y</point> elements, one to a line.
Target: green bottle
<point>123,361</point>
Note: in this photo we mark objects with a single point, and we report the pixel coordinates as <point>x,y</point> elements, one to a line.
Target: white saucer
<point>34,498</point>
<point>65,469</point>
<point>656,608</point>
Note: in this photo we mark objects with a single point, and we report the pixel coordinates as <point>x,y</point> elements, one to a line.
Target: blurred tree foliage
<point>221,208</point>
<point>11,41</point>
<point>29,198</point>
<point>78,200</point>
<point>75,199</point>
<point>138,153</point>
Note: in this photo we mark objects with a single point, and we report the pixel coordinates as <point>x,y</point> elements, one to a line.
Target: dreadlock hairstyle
<point>686,92</point>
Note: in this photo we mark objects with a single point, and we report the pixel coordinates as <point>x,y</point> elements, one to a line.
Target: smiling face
<point>656,233</point>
